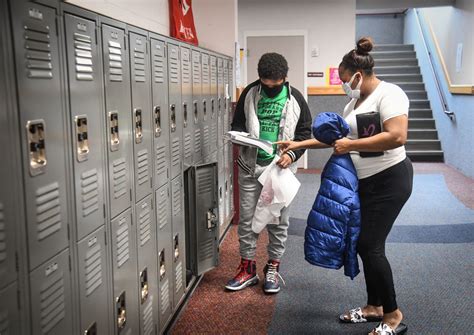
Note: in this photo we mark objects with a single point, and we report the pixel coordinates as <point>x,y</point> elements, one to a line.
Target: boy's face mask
<point>272,91</point>
<point>347,87</point>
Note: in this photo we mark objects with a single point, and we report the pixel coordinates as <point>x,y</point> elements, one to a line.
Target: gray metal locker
<point>226,101</point>
<point>197,105</point>
<point>125,279</point>
<point>117,115</point>
<point>228,183</point>
<point>86,108</point>
<point>178,239</point>
<point>141,112</point>
<point>214,102</point>
<point>187,106</point>
<point>9,310</point>
<point>160,112</point>
<point>50,296</point>
<point>175,110</point>
<point>221,183</point>
<point>206,104</point>
<point>202,229</point>
<point>220,103</point>
<point>147,265</point>
<point>165,255</point>
<point>93,285</point>
<point>42,119</point>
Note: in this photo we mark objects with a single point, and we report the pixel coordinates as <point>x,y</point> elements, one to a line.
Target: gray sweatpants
<point>250,189</point>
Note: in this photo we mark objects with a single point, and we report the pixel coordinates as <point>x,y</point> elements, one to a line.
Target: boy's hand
<point>284,161</point>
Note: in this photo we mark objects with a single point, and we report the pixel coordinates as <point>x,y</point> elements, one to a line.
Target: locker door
<point>187,107</point>
<point>124,260</point>
<point>118,120</point>
<point>197,106</point>
<point>201,224</point>
<point>160,111</point>
<point>206,109</point>
<point>141,114</point>
<point>93,284</point>
<point>214,100</point>
<point>147,265</point>
<point>165,257</point>
<point>176,116</point>
<point>9,310</point>
<point>225,98</point>
<point>42,118</point>
<point>220,103</point>
<point>85,83</point>
<point>50,296</point>
<point>179,239</point>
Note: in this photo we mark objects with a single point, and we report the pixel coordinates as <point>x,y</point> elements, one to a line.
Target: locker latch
<point>185,114</point>
<point>211,219</point>
<point>144,285</point>
<point>121,311</point>
<point>226,187</point>
<point>176,247</point>
<point>196,114</point>
<point>161,256</point>
<point>157,111</point>
<point>92,330</point>
<point>138,125</point>
<point>173,117</point>
<point>36,146</point>
<point>213,111</point>
<point>219,105</point>
<point>114,131</point>
<point>204,109</point>
<point>82,141</point>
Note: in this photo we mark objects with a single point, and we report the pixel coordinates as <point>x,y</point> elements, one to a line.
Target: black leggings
<point>382,197</point>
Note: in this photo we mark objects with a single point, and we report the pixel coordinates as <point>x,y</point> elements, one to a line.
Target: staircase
<point>397,63</point>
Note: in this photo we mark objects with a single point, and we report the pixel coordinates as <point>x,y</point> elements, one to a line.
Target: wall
<point>384,29</point>
<point>456,136</point>
<point>385,4</point>
<point>329,25</point>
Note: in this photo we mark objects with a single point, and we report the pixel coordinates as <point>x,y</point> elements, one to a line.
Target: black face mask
<point>272,92</point>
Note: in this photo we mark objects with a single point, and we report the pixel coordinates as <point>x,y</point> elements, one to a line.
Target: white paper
<point>242,138</point>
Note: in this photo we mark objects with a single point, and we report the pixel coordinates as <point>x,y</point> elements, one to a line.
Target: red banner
<point>182,21</point>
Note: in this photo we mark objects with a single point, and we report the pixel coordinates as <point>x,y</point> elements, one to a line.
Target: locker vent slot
<point>159,68</point>
<point>187,146</point>
<point>176,152</point>
<point>205,73</point>
<point>52,303</point>
<point>174,70</point>
<point>4,323</point>
<point>115,61</point>
<point>176,199</point>
<point>206,250</point>
<point>90,192</point>
<point>186,74</point>
<point>179,276</point>
<point>213,132</point>
<point>83,52</point>
<point>197,141</point>
<point>142,166</point>
<point>3,237</point>
<point>160,160</point>
<point>165,297</point>
<point>145,224</point>
<point>196,73</point>
<point>120,178</point>
<point>213,74</point>
<point>148,326</point>
<point>38,51</point>
<point>48,210</point>
<point>162,213</point>
<point>205,182</point>
<point>226,75</point>
<point>206,136</point>
<point>93,269</point>
<point>123,253</point>
<point>139,65</point>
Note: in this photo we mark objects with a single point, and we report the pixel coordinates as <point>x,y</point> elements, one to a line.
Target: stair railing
<point>441,95</point>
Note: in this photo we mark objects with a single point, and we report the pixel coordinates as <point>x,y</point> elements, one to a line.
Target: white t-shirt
<point>390,101</point>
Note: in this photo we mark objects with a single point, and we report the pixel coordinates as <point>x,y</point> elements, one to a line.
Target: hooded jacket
<point>334,220</point>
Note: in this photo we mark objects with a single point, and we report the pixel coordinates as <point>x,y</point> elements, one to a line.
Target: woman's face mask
<point>347,87</point>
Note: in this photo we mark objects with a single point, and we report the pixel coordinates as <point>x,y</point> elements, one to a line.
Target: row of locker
<point>116,178</point>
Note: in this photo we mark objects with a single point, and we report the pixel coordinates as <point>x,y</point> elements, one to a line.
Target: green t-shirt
<point>269,112</point>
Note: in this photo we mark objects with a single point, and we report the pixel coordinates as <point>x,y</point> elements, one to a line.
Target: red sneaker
<point>247,276</point>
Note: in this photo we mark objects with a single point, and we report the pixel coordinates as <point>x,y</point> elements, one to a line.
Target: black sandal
<point>384,329</point>
<point>357,317</point>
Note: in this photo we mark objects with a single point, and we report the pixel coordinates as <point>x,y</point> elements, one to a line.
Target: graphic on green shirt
<point>269,112</point>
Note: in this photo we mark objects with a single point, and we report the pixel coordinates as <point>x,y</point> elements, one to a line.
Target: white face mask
<point>347,87</point>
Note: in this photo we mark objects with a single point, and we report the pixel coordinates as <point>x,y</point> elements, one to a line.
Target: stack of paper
<point>243,138</point>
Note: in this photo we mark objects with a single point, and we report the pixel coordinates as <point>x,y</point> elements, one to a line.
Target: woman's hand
<point>286,146</point>
<point>342,146</point>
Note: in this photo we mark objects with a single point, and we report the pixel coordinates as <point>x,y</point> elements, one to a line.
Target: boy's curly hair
<point>272,66</point>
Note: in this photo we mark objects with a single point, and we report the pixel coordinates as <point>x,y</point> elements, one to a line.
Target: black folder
<point>368,124</point>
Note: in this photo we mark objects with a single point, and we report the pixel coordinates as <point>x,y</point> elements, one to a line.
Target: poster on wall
<point>332,77</point>
<point>182,21</point>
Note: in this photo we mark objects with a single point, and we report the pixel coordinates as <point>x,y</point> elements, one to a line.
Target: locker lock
<point>121,311</point>
<point>92,330</point>
<point>185,114</point>
<point>35,131</point>
<point>144,285</point>
<point>82,141</point>
<point>173,117</point>
<point>161,256</point>
<point>138,125</point>
<point>114,131</point>
<point>211,219</point>
<point>196,114</point>
<point>176,247</point>
<point>157,112</point>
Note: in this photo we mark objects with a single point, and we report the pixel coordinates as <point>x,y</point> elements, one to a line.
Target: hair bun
<point>364,45</point>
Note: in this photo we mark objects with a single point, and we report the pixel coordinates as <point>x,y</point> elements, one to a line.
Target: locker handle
<point>91,330</point>
<point>176,247</point>
<point>211,219</point>
<point>157,111</point>
<point>161,256</point>
<point>173,117</point>
<point>185,115</point>
<point>196,114</point>
<point>35,131</point>
<point>114,131</point>
<point>219,100</point>
<point>138,125</point>
<point>204,109</point>
<point>213,110</point>
<point>82,141</point>
<point>121,311</point>
<point>144,285</point>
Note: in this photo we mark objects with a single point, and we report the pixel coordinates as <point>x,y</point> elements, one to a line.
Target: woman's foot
<point>368,313</point>
<point>392,320</point>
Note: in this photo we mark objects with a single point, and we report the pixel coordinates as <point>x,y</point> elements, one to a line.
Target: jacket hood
<point>329,127</point>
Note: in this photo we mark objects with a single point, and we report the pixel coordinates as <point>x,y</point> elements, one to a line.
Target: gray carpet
<point>431,251</point>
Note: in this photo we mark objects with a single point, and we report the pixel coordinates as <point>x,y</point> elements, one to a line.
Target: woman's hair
<point>359,58</point>
<point>272,66</point>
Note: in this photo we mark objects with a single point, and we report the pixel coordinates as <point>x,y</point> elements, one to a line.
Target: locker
<point>228,183</point>
<point>42,118</point>
<point>206,109</point>
<point>86,109</point>
<point>197,105</point>
<point>9,310</point>
<point>50,296</point>
<point>124,268</point>
<point>213,101</point>
<point>141,112</point>
<point>220,103</point>
<point>221,183</point>
<point>93,285</point>
<point>226,100</point>
<point>189,116</point>
<point>165,258</point>
<point>147,265</point>
<point>202,228</point>
<point>175,110</point>
<point>178,239</point>
<point>117,115</point>
<point>160,110</point>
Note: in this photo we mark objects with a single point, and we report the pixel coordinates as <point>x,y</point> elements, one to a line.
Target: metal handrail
<point>448,112</point>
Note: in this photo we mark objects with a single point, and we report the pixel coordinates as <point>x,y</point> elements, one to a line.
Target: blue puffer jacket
<point>334,221</point>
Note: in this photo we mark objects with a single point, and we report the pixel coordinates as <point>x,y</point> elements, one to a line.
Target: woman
<point>385,177</point>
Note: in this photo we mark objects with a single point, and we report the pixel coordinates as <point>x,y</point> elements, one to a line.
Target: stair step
<point>421,124</point>
<point>393,47</point>
<point>415,145</point>
<point>411,86</point>
<point>416,95</point>
<point>408,78</point>
<point>420,103</point>
<point>408,69</point>
<point>392,54</point>
<point>422,134</point>
<point>420,113</point>
<point>426,155</point>
<point>396,62</point>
